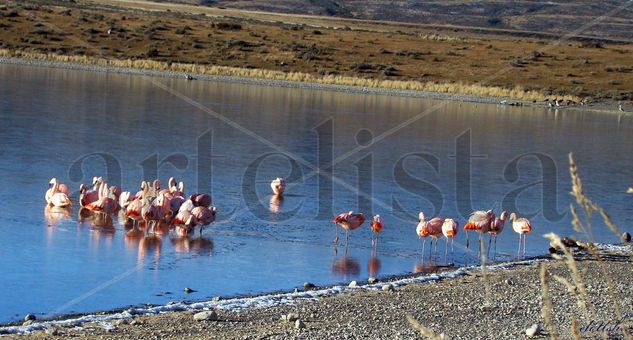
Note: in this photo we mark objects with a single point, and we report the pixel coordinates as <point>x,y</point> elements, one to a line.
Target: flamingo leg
<point>489,245</point>
<point>495,246</point>
<point>446,250</point>
<point>524,244</point>
<point>336,238</point>
<point>467,239</point>
<point>423,244</point>
<point>519,250</point>
<point>346,237</point>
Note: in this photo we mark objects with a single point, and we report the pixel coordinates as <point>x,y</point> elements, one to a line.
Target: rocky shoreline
<point>605,107</point>
<point>504,303</point>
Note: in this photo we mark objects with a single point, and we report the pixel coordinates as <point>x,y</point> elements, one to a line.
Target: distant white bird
<point>620,108</point>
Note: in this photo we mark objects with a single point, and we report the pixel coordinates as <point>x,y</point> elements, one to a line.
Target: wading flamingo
<point>496,227</point>
<point>432,228</point>
<point>521,226</point>
<point>155,213</point>
<point>377,226</point>
<point>449,229</point>
<point>278,185</point>
<point>348,221</point>
<point>87,196</point>
<point>184,221</point>
<point>60,192</point>
<point>479,221</point>
<point>104,205</point>
<point>204,216</point>
<point>201,200</point>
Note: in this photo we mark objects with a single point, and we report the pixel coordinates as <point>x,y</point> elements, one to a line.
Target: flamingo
<point>479,221</point>
<point>179,190</point>
<point>521,226</point>
<point>201,200</point>
<point>171,183</point>
<point>204,216</point>
<point>496,227</point>
<point>432,228</point>
<point>87,196</point>
<point>58,194</point>
<point>104,205</point>
<point>184,222</point>
<point>449,229</point>
<point>278,185</point>
<point>125,199</point>
<point>156,211</point>
<point>348,221</point>
<point>377,227</point>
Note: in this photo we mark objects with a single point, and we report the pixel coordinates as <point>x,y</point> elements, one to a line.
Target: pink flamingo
<point>431,228</point>
<point>179,190</point>
<point>278,185</point>
<point>377,227</point>
<point>479,221</point>
<point>104,205</point>
<point>171,183</point>
<point>87,196</point>
<point>201,200</point>
<point>449,229</point>
<point>55,196</point>
<point>184,221</point>
<point>155,212</point>
<point>204,216</point>
<point>496,227</point>
<point>348,221</point>
<point>521,226</point>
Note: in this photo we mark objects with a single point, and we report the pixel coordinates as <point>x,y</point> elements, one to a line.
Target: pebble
<point>28,322</point>
<point>28,317</point>
<point>120,322</point>
<point>353,284</point>
<point>189,290</point>
<point>208,315</point>
<point>308,285</point>
<point>299,324</point>
<point>52,331</point>
<point>509,282</point>
<point>216,298</point>
<point>292,317</point>
<point>372,280</point>
<point>388,288</point>
<point>534,330</point>
<point>626,237</point>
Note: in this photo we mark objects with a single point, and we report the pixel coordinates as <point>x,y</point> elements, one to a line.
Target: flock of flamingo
<point>152,207</point>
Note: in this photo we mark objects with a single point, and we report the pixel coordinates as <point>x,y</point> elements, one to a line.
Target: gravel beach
<point>499,304</point>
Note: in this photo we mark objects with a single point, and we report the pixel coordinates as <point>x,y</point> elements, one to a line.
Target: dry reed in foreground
<point>516,93</point>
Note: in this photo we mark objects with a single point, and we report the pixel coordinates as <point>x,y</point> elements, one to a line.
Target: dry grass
<point>314,49</point>
<point>517,93</point>
<point>577,287</point>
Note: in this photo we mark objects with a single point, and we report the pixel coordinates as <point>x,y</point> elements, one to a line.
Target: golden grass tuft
<point>546,310</point>
<point>425,331</point>
<point>516,93</point>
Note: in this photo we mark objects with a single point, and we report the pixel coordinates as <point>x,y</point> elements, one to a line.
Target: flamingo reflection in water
<point>198,246</point>
<point>346,266</point>
<point>373,266</point>
<point>53,215</point>
<point>275,203</point>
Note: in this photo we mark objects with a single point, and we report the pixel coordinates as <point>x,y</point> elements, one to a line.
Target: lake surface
<point>230,140</point>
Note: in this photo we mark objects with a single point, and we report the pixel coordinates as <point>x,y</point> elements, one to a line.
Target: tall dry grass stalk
<point>546,310</point>
<point>425,331</point>
<point>579,285</point>
<point>585,226</point>
<point>516,93</point>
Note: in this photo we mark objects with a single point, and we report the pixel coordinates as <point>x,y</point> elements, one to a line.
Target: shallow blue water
<point>74,125</point>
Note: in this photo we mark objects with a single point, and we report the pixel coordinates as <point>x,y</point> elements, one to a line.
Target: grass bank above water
<point>517,93</point>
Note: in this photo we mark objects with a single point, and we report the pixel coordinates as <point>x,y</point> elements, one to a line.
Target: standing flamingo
<point>432,228</point>
<point>57,197</point>
<point>377,226</point>
<point>201,200</point>
<point>278,185</point>
<point>496,227</point>
<point>479,221</point>
<point>521,226</point>
<point>184,221</point>
<point>449,229</point>
<point>204,216</point>
<point>87,196</point>
<point>104,205</point>
<point>348,221</point>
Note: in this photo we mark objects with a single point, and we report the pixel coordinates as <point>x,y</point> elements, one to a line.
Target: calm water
<point>75,125</point>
